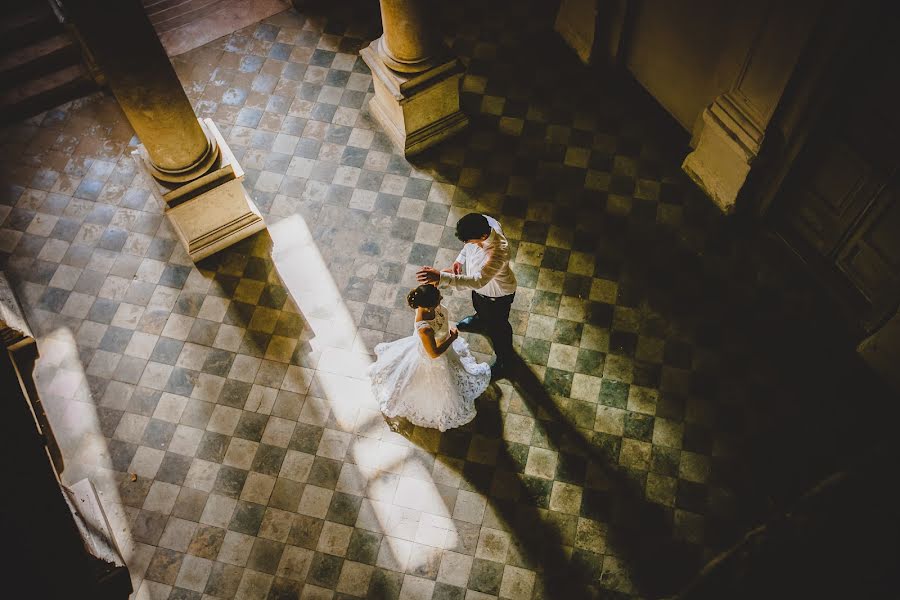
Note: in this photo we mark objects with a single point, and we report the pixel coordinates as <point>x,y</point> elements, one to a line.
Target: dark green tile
<point>305,531</point>
<point>234,393</point>
<point>614,393</point>
<point>230,481</point>
<point>213,446</point>
<point>664,461</point>
<point>646,374</point>
<point>273,296</point>
<point>247,517</point>
<point>286,494</point>
<point>265,555</point>
<point>555,258</point>
<point>289,325</point>
<point>344,508</point>
<point>545,303</point>
<point>174,468</point>
<point>577,286</point>
<point>455,443</point>
<point>164,566</point>
<point>385,585</point>
<point>638,426</point>
<point>251,426</point>
<point>526,275</point>
<point>581,414</point>
<point>197,413</point>
<point>557,381</point>
<point>268,459</point>
<point>622,342</point>
<point>224,580</point>
<point>514,458</point>
<point>218,362</point>
<point>306,438</point>
<point>586,566</point>
<point>158,434</point>
<point>325,570</point>
<point>600,314</point>
<point>608,446</point>
<point>324,472</point>
<point>571,468</point>
<point>536,351</point>
<point>364,546</point>
<point>537,491</point>
<point>285,589</point>
<point>486,576</point>
<point>590,362</point>
<point>567,332</point>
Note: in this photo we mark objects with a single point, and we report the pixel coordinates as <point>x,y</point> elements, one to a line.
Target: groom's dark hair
<point>473,226</point>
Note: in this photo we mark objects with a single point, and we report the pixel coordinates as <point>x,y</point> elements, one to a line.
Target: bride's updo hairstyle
<point>424,296</point>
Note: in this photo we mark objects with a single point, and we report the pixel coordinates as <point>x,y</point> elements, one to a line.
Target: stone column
<point>197,175</point>
<point>139,74</point>
<point>765,46</point>
<point>416,78</point>
<point>594,29</point>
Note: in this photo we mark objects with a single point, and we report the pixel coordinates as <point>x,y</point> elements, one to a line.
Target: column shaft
<point>140,75</point>
<point>410,41</point>
<point>416,79</point>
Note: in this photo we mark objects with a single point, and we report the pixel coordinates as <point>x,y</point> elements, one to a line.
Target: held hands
<point>428,275</point>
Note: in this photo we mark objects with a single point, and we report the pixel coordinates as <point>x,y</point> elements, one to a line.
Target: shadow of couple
<point>588,532</point>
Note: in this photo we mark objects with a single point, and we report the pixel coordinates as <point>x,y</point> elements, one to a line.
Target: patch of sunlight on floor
<point>75,422</point>
<point>380,465</point>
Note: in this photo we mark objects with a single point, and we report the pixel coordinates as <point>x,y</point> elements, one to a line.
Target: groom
<point>483,267</point>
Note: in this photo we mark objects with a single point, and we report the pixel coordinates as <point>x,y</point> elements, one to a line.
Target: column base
<point>215,219</point>
<point>416,110</point>
<point>211,212</point>
<point>726,142</point>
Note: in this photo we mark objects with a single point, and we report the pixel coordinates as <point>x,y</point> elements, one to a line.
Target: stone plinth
<point>726,144</point>
<point>417,110</point>
<point>211,212</point>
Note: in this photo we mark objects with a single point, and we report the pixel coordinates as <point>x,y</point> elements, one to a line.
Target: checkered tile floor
<point>216,411</point>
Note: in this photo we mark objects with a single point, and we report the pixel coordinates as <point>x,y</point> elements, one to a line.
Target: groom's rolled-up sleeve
<point>461,259</point>
<point>495,261</point>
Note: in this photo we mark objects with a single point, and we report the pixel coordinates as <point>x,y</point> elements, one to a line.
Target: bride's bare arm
<point>432,348</point>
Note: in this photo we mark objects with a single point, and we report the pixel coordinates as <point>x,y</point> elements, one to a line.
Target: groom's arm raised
<point>457,267</point>
<point>496,258</point>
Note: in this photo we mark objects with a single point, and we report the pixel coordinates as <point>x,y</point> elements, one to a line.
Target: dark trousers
<point>493,317</point>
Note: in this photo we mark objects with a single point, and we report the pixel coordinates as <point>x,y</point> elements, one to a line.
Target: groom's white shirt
<point>487,266</point>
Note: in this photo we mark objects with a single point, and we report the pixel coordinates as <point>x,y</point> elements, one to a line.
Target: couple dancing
<point>431,378</point>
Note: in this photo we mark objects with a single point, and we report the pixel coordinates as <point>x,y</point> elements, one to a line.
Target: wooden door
<point>839,206</point>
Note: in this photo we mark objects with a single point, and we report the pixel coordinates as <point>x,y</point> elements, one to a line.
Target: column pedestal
<point>211,212</point>
<point>726,142</point>
<point>417,110</point>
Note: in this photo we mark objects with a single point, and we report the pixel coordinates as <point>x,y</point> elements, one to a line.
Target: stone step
<point>169,17</point>
<point>27,24</point>
<point>38,58</point>
<point>49,90</point>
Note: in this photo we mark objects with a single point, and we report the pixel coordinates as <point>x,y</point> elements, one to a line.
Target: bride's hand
<point>454,333</point>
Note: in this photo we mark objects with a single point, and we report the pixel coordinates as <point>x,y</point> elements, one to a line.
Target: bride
<point>430,377</point>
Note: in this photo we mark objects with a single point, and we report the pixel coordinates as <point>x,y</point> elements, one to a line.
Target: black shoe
<point>471,324</point>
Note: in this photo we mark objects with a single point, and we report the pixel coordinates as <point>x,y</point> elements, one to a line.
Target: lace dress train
<point>430,392</point>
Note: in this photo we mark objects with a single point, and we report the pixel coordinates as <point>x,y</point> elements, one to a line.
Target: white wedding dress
<point>430,392</point>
